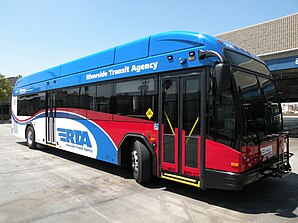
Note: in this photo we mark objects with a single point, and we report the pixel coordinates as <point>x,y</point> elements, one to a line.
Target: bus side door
<point>181,124</point>
<point>50,118</point>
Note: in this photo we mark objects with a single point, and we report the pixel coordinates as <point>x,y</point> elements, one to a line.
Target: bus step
<point>180,179</point>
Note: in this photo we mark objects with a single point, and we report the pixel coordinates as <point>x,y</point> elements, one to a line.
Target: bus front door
<point>180,126</point>
<point>50,118</point>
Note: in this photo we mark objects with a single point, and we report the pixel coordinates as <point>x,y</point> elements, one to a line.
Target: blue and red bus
<point>183,106</point>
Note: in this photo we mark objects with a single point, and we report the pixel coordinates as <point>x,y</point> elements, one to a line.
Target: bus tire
<point>140,162</point>
<point>30,137</point>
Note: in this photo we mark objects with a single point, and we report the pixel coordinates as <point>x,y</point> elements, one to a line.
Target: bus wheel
<point>30,137</point>
<point>140,162</point>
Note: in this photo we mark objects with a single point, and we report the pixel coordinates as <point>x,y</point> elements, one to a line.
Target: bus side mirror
<point>222,72</point>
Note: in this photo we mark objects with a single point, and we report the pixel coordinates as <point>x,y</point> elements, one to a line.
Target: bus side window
<point>30,104</point>
<point>222,125</point>
<point>104,94</point>
<point>134,98</point>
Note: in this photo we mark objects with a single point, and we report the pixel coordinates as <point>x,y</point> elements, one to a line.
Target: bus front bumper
<point>236,181</point>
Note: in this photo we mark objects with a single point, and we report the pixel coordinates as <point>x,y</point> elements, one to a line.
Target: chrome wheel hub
<point>135,161</point>
<point>30,137</point>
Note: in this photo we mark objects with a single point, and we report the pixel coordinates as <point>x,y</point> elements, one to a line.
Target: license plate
<point>266,150</point>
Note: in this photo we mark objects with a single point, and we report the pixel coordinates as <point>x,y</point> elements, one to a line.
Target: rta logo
<point>74,136</point>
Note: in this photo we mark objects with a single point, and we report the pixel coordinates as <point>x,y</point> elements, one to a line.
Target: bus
<point>179,105</point>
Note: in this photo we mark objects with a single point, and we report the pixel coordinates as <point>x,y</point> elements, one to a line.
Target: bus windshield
<point>259,104</point>
<point>242,61</point>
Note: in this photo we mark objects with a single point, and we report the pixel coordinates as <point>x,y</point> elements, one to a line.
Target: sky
<point>39,34</point>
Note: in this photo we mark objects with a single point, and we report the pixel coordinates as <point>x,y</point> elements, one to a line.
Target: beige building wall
<point>273,39</point>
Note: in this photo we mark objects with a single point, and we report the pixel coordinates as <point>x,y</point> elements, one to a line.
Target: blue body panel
<point>144,56</point>
<point>132,51</point>
<point>104,58</point>
<point>174,41</point>
<point>282,63</point>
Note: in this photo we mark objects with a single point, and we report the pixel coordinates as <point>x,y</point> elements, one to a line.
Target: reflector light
<point>192,55</point>
<point>152,138</point>
<point>182,60</point>
<point>234,164</point>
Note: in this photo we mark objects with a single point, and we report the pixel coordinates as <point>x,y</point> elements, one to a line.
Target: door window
<point>191,120</point>
<point>170,117</point>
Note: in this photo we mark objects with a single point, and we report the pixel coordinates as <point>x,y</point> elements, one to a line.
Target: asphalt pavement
<point>291,125</point>
<point>50,185</point>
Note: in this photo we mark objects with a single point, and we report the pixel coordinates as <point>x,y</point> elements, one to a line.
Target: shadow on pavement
<point>271,195</point>
<point>124,172</point>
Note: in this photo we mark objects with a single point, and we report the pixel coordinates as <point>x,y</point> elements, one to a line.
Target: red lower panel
<point>222,157</point>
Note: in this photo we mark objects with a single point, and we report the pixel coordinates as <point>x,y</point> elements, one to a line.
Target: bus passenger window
<point>135,97</point>
<point>30,104</point>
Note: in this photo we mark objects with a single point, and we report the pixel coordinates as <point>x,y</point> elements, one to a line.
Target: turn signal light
<point>192,55</point>
<point>234,164</point>
<point>152,139</point>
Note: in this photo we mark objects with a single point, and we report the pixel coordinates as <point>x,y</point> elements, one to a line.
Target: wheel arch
<point>125,149</point>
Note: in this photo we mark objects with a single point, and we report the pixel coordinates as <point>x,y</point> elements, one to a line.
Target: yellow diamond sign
<point>149,113</point>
